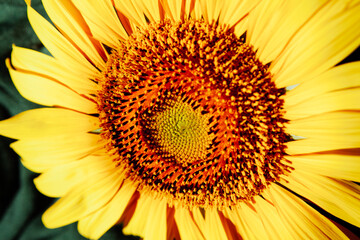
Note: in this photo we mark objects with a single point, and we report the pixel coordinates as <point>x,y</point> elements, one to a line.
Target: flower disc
<point>177,131</point>
<point>191,114</point>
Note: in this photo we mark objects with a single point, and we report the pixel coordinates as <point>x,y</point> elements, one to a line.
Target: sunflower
<point>193,119</point>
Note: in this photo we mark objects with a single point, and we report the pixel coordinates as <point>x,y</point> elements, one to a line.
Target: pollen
<point>192,115</point>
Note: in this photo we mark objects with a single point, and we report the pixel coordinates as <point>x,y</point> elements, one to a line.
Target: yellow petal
<point>137,224</point>
<point>192,7</point>
<point>232,11</point>
<point>156,225</point>
<point>85,198</point>
<point>48,92</point>
<point>59,46</point>
<point>304,146</point>
<point>96,224</point>
<point>41,154</point>
<point>138,9</point>
<point>332,165</point>
<point>241,27</point>
<point>302,221</point>
<point>57,181</point>
<point>312,145</point>
<point>338,197</point>
<point>173,9</point>
<point>152,9</point>
<point>273,23</point>
<point>326,39</point>
<point>211,9</point>
<point>188,228</point>
<point>273,223</point>
<point>27,60</point>
<point>172,231</point>
<point>47,122</point>
<point>337,78</point>
<point>230,229</point>
<point>199,218</point>
<point>69,20</point>
<point>348,99</point>
<point>329,131</point>
<point>213,228</point>
<point>128,8</point>
<point>339,125</point>
<point>103,21</point>
<point>149,219</point>
<point>247,222</point>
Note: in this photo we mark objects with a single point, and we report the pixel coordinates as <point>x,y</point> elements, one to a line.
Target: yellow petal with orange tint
<point>37,63</point>
<point>326,39</point>
<point>86,197</point>
<point>156,225</point>
<point>302,221</point>
<point>57,181</point>
<point>247,222</point>
<point>59,46</point>
<point>72,25</point>
<point>211,9</point>
<point>332,165</point>
<point>338,197</point>
<point>331,80</point>
<point>328,131</point>
<point>273,23</point>
<point>47,122</point>
<point>273,223</point>
<point>40,154</point>
<point>193,8</point>
<point>139,10</point>
<point>96,224</point>
<point>348,99</point>
<point>213,228</point>
<point>103,21</point>
<point>173,9</point>
<point>138,221</point>
<point>326,125</point>
<point>149,219</point>
<point>234,11</point>
<point>49,92</point>
<point>199,218</point>
<point>312,145</point>
<point>188,228</point>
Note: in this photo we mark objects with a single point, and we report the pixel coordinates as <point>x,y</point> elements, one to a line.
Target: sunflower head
<point>192,114</point>
<point>177,119</point>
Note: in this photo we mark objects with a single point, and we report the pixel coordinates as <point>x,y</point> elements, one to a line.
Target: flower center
<point>176,131</point>
<point>192,115</point>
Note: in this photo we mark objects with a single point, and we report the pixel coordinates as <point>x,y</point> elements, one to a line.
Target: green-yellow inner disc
<point>182,132</point>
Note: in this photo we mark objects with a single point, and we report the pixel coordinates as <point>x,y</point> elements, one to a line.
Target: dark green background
<point>21,205</point>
